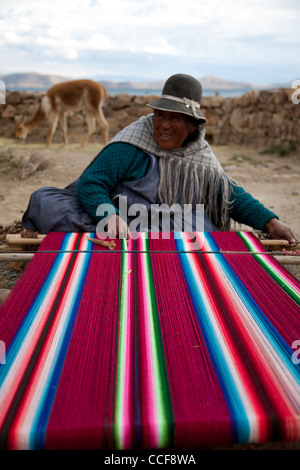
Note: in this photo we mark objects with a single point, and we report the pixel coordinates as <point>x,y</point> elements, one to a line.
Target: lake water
<point>225,93</point>
<point>114,91</point>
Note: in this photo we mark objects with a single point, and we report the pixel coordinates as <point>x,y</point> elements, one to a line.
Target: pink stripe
<point>148,409</point>
<point>272,262</point>
<point>32,386</point>
<point>127,356</point>
<point>260,355</point>
<point>29,346</point>
<point>82,415</point>
<point>196,394</point>
<point>242,377</point>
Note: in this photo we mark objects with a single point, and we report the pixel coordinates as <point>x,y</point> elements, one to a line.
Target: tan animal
<point>61,101</point>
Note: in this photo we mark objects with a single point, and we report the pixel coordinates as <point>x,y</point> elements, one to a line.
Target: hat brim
<point>173,106</point>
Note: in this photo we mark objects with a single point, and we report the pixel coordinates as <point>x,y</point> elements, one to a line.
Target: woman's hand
<point>117,227</point>
<point>278,231</point>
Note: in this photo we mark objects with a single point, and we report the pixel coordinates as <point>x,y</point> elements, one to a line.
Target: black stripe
<point>35,356</point>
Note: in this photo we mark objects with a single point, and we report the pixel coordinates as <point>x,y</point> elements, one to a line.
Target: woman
<point>187,165</point>
<point>161,159</point>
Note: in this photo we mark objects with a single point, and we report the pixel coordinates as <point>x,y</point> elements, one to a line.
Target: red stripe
<point>13,313</point>
<point>273,401</point>
<point>33,377</point>
<point>82,412</point>
<point>200,410</point>
<point>40,363</point>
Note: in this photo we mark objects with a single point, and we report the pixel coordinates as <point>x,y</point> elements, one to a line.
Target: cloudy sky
<point>256,41</point>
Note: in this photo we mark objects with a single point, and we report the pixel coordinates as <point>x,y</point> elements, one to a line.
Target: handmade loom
<point>173,342</point>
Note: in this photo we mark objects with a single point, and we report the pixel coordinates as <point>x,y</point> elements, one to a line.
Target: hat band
<point>186,101</point>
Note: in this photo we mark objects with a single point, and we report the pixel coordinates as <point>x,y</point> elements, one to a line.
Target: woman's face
<point>171,129</point>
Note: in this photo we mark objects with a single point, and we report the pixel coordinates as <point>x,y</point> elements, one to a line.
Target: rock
<point>123,100</point>
<point>14,97</point>
<point>237,118</point>
<point>257,118</point>
<point>244,100</point>
<point>9,111</point>
<point>3,294</point>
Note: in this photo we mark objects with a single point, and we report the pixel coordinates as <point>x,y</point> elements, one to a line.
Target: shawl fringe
<point>192,171</point>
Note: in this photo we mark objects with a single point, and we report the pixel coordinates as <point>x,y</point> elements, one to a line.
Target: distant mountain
<point>31,80</point>
<point>36,81</point>
<point>216,83</point>
<point>128,85</point>
<point>208,82</point>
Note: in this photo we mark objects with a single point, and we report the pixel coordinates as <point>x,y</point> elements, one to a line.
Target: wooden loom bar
<point>16,239</point>
<point>278,243</point>
<point>15,257</point>
<point>288,259</point>
<point>23,257</point>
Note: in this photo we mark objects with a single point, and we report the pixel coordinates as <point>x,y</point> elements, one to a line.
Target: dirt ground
<point>273,179</point>
<point>25,167</point>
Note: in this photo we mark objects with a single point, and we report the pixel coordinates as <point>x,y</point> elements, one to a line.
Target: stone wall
<point>258,119</point>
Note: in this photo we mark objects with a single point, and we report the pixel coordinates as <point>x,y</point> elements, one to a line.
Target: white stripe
<point>26,348</point>
<point>39,387</point>
<point>222,345</point>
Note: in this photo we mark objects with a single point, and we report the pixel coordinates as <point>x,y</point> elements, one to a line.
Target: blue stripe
<point>18,340</point>
<point>240,422</point>
<point>272,335</point>
<point>38,431</point>
<point>271,270</point>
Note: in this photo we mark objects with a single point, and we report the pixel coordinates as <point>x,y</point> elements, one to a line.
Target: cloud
<point>147,39</point>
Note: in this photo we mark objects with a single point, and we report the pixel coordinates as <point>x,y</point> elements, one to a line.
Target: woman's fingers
<point>279,230</point>
<point>117,227</point>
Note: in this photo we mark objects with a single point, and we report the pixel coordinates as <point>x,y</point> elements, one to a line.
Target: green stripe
<point>36,353</point>
<point>164,402</point>
<point>110,422</point>
<point>270,270</point>
<point>121,335</point>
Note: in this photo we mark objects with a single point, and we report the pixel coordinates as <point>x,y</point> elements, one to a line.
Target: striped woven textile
<point>167,342</point>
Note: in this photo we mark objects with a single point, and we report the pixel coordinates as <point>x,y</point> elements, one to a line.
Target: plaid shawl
<point>192,169</point>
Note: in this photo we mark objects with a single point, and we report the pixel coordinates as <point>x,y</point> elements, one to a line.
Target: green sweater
<point>125,162</point>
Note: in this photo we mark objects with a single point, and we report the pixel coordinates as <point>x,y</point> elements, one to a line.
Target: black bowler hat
<point>181,94</point>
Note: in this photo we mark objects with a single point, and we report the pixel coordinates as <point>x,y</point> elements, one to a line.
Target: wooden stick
<point>12,257</point>
<point>274,242</point>
<point>16,239</point>
<point>23,257</point>
<point>288,259</point>
<point>111,245</point>
<point>278,243</point>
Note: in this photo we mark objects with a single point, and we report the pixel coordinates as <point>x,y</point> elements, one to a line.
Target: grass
<point>240,157</point>
<point>279,149</point>
<point>8,162</point>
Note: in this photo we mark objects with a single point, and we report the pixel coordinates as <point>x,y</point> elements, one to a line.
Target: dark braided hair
<point>195,134</point>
